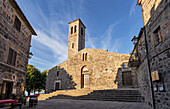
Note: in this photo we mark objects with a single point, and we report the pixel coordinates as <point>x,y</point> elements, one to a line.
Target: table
<point>33,95</point>
<point>33,101</point>
<point>10,101</point>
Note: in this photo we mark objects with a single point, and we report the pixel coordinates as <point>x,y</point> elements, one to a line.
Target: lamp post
<point>30,55</point>
<point>134,40</point>
<point>149,69</point>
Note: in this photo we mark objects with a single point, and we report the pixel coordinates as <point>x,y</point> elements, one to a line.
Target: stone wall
<point>156,15</point>
<point>63,76</point>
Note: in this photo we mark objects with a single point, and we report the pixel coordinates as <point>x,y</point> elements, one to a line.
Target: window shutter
<point>17,23</point>
<point>10,54</point>
<point>14,57</point>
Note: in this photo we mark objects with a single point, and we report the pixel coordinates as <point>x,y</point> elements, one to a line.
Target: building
<point>154,37</point>
<point>15,40</point>
<point>85,68</point>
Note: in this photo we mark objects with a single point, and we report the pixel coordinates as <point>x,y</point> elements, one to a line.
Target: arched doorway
<point>84,77</point>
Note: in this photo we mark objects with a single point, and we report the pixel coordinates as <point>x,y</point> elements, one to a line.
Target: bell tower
<point>76,37</point>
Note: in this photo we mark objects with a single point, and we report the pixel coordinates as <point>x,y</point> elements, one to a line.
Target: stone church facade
<point>85,68</point>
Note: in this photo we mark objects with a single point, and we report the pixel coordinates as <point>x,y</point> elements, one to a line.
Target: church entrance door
<point>57,86</point>
<point>86,80</point>
<point>85,77</point>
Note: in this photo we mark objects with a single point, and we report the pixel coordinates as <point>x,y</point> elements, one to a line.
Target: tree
<point>44,76</point>
<point>29,80</point>
<point>35,80</point>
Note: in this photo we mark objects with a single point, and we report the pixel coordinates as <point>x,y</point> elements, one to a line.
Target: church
<point>86,68</point>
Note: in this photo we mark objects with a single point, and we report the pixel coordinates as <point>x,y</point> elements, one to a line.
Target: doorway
<point>86,80</point>
<point>57,86</point>
<point>7,89</point>
<point>127,78</point>
<point>84,77</point>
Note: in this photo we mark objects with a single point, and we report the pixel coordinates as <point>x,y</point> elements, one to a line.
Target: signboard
<point>155,75</point>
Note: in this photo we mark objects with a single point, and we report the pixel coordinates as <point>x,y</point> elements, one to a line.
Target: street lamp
<point>30,55</point>
<point>134,40</point>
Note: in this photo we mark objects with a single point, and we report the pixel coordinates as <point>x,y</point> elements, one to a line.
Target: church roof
<point>76,20</point>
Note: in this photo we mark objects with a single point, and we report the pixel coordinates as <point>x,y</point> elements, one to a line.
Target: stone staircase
<point>73,93</point>
<point>106,95</point>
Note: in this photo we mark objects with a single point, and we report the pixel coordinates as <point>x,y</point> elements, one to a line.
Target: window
<point>17,23</point>
<point>58,73</point>
<point>81,31</point>
<point>71,30</point>
<point>158,36</point>
<point>83,57</point>
<point>124,66</point>
<point>75,28</point>
<point>11,57</point>
<point>72,45</point>
<point>86,57</point>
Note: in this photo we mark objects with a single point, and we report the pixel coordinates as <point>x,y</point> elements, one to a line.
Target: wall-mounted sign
<point>155,75</point>
<point>155,88</point>
<point>161,88</point>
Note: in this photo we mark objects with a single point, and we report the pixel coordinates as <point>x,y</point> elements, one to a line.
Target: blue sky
<point>110,24</point>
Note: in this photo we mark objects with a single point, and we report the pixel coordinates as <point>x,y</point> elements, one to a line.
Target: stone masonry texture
<point>156,14</point>
<point>19,41</point>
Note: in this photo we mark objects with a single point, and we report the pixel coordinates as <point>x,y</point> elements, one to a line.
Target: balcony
<point>134,60</point>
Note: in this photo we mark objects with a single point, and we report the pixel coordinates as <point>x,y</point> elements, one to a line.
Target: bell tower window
<point>71,30</point>
<point>75,28</point>
<point>86,57</point>
<point>82,31</point>
<point>83,57</point>
<point>72,45</point>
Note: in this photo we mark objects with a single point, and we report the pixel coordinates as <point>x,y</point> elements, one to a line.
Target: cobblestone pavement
<point>86,104</point>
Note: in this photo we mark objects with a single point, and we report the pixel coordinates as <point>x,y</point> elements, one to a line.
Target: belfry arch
<point>85,77</point>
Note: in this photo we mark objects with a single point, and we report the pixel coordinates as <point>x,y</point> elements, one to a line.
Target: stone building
<point>156,14</point>
<point>85,68</point>
<point>15,40</point>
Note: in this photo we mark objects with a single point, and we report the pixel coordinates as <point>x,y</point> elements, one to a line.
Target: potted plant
<point>2,96</point>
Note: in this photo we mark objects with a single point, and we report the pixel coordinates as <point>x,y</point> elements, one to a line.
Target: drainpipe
<point>149,69</point>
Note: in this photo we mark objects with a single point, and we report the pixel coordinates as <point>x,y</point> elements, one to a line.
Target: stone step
<point>107,95</point>
<point>72,92</point>
<point>114,93</point>
<point>105,99</point>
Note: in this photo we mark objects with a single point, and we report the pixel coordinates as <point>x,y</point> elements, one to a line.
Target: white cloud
<point>107,41</point>
<point>90,42</point>
<point>50,24</point>
<point>40,61</point>
<point>132,9</point>
<point>56,45</point>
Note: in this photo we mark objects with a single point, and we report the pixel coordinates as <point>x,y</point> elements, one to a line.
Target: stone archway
<point>85,77</point>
